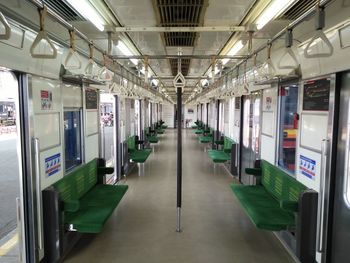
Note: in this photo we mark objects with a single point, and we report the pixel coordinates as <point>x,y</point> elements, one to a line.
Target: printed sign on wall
<point>52,164</point>
<point>307,167</point>
<point>46,99</point>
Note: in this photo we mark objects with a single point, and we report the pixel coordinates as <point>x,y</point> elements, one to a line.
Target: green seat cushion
<point>89,219</point>
<point>205,139</point>
<point>218,156</point>
<point>153,139</point>
<point>104,194</point>
<point>95,208</point>
<point>198,131</point>
<point>262,208</point>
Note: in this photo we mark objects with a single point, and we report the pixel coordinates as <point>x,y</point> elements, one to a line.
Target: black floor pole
<point>179,159</point>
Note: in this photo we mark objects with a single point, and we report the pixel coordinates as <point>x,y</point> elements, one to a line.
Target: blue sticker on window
<point>307,167</point>
<point>52,164</point>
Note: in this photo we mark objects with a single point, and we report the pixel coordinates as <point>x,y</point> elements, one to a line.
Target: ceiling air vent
<point>299,8</point>
<point>62,9</point>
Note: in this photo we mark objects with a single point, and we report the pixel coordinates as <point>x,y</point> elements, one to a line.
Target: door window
<point>10,166</point>
<point>72,138</point>
<point>288,126</point>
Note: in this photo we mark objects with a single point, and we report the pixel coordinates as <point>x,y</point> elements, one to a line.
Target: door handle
<point>321,199</point>
<point>38,191</point>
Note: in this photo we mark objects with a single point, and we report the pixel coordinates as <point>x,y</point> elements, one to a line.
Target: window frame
<point>280,133</point>
<point>81,130</point>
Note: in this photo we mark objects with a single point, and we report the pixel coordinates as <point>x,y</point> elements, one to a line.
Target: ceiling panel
<point>226,12</point>
<point>134,12</point>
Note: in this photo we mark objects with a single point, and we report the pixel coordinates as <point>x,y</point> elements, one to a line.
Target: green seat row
<point>198,125</point>
<point>151,138</point>
<point>87,204</point>
<point>273,202</point>
<point>224,155</point>
<point>207,138</point>
<point>136,155</point>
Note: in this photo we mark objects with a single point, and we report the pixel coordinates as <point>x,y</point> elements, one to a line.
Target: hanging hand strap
<point>42,36</point>
<point>7,27</point>
<point>319,23</point>
<point>72,54</point>
<point>289,52</point>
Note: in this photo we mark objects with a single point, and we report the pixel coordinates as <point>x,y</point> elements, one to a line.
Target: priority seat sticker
<point>307,167</point>
<point>52,164</point>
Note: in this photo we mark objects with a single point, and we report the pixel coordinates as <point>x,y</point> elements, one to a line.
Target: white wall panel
<point>268,125</point>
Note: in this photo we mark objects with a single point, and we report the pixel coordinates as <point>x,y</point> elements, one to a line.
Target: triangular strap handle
<point>42,35</point>
<point>289,52</point>
<point>7,33</point>
<point>319,35</point>
<point>89,69</point>
<point>72,55</point>
<point>104,74</point>
<point>268,69</point>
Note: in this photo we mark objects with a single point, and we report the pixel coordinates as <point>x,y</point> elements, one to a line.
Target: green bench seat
<point>151,138</point>
<point>224,155</point>
<point>273,202</point>
<point>199,131</point>
<point>87,205</point>
<point>207,138</point>
<point>136,155</point>
<point>160,130</point>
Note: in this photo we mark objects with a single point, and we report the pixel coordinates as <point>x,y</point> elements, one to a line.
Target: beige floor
<point>215,228</point>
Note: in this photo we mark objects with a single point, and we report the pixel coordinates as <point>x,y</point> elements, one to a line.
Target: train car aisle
<point>215,228</point>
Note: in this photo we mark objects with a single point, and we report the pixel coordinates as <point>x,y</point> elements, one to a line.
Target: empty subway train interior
<point>175,131</point>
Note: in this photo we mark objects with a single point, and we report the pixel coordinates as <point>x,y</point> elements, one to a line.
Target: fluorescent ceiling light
<point>89,12</point>
<point>275,8</point>
<point>155,82</point>
<point>126,51</point>
<point>233,51</point>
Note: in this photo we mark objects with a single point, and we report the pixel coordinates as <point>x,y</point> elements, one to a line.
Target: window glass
<point>72,138</point>
<point>288,127</point>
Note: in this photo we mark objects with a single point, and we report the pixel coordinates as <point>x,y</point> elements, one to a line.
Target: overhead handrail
<point>319,25</point>
<point>42,36</point>
<point>288,52</point>
<point>72,53</point>
<point>7,27</point>
<point>89,69</point>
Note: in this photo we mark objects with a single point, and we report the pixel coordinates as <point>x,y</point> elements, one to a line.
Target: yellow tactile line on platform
<point>5,248</point>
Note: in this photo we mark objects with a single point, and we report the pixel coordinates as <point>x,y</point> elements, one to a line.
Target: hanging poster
<point>316,95</point>
<point>91,99</point>
<point>46,99</point>
<point>307,167</point>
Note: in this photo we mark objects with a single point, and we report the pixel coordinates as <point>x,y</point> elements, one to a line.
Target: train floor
<point>214,227</point>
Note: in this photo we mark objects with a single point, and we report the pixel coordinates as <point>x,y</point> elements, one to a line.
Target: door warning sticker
<point>52,164</point>
<point>307,167</point>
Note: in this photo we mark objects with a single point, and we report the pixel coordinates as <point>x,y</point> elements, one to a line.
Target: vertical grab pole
<point>179,159</point>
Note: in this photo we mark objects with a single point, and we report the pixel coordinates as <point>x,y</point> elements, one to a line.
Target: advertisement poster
<point>46,99</point>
